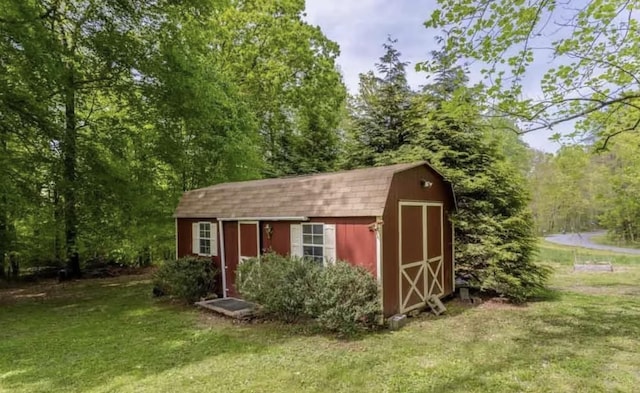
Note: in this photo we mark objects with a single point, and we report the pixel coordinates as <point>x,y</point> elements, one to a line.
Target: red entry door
<point>248,240</point>
<point>248,243</point>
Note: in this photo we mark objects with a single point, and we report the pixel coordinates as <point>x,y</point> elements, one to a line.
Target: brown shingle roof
<point>355,193</point>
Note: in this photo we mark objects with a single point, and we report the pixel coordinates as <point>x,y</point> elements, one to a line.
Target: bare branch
<point>611,135</point>
<point>544,124</point>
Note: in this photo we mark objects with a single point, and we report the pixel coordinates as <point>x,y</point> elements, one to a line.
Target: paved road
<point>584,240</point>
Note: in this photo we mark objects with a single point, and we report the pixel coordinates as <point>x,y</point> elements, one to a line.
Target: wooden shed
<point>391,220</point>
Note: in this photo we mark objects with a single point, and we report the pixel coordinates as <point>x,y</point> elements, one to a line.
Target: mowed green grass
<point>582,335</point>
<point>606,240</point>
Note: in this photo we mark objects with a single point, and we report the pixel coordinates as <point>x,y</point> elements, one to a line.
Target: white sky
<point>360,27</point>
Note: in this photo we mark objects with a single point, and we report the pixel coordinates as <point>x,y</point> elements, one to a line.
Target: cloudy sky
<point>362,26</point>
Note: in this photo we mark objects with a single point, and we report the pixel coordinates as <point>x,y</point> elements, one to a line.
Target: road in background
<point>584,240</point>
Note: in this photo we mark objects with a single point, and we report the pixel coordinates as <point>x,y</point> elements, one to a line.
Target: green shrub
<point>346,299</point>
<point>280,285</point>
<point>340,298</point>
<point>188,278</point>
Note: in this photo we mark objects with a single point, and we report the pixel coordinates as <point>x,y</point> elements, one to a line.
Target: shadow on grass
<point>580,340</point>
<point>91,334</point>
<point>547,295</point>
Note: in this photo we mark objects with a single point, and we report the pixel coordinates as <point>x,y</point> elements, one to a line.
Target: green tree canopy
<point>594,70</point>
<point>109,110</point>
<point>442,124</point>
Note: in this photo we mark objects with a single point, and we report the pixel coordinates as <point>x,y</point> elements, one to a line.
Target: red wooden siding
<point>249,238</point>
<point>434,244</point>
<point>231,255</point>
<point>356,243</point>
<point>406,186</point>
<point>355,240</point>
<point>185,244</point>
<point>412,233</point>
<point>279,240</point>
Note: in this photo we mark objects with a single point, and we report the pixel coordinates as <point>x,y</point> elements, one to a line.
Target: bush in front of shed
<point>346,298</point>
<point>188,278</point>
<point>280,285</point>
<point>340,297</point>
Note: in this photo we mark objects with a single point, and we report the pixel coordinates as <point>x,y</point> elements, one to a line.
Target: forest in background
<point>109,110</point>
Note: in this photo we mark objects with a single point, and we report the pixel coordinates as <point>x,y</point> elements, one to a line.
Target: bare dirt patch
<point>52,289</point>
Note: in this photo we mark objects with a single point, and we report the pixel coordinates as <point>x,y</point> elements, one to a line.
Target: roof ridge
<point>288,178</point>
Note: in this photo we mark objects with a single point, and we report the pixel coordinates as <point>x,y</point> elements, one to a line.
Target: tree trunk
<point>69,175</point>
<point>57,217</point>
<point>4,219</point>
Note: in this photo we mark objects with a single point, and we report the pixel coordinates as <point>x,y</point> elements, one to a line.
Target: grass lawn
<point>607,241</point>
<point>111,336</point>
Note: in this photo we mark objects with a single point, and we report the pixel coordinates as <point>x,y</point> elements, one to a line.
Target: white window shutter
<point>214,239</point>
<point>330,242</point>
<point>296,240</point>
<point>195,238</point>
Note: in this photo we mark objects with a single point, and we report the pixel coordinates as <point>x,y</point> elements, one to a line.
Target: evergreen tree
<point>380,111</point>
<point>494,237</point>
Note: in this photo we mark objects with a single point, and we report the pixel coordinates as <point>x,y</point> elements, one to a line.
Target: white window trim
<point>303,244</point>
<point>213,239</point>
<point>328,242</point>
<point>210,238</point>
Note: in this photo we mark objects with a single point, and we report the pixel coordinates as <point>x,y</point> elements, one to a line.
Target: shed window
<point>205,238</point>
<point>313,241</point>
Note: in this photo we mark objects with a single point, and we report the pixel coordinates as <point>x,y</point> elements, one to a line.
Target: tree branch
<point>608,137</point>
<point>47,13</point>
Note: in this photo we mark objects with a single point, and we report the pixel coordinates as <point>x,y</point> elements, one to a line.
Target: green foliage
<point>576,190</point>
<point>593,51</point>
<point>110,110</point>
<point>281,285</point>
<point>565,188</point>
<point>620,198</point>
<point>286,71</point>
<point>583,337</point>
<point>345,299</point>
<point>494,227</point>
<point>188,278</point>
<point>340,297</point>
<point>379,114</point>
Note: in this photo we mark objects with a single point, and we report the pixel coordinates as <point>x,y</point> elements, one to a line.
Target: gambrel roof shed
<point>392,221</point>
<point>354,193</point>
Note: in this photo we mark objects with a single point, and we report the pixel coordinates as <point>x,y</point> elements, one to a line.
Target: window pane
<point>317,251</point>
<point>307,239</point>
<point>307,251</point>
<point>317,229</point>
<point>205,230</point>
<point>205,246</point>
<point>306,228</point>
<point>317,239</point>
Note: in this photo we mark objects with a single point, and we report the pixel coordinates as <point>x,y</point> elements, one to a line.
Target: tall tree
<point>380,111</point>
<point>621,198</point>
<point>495,241</point>
<point>109,110</point>
<point>494,227</point>
<point>595,72</point>
<point>285,69</point>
